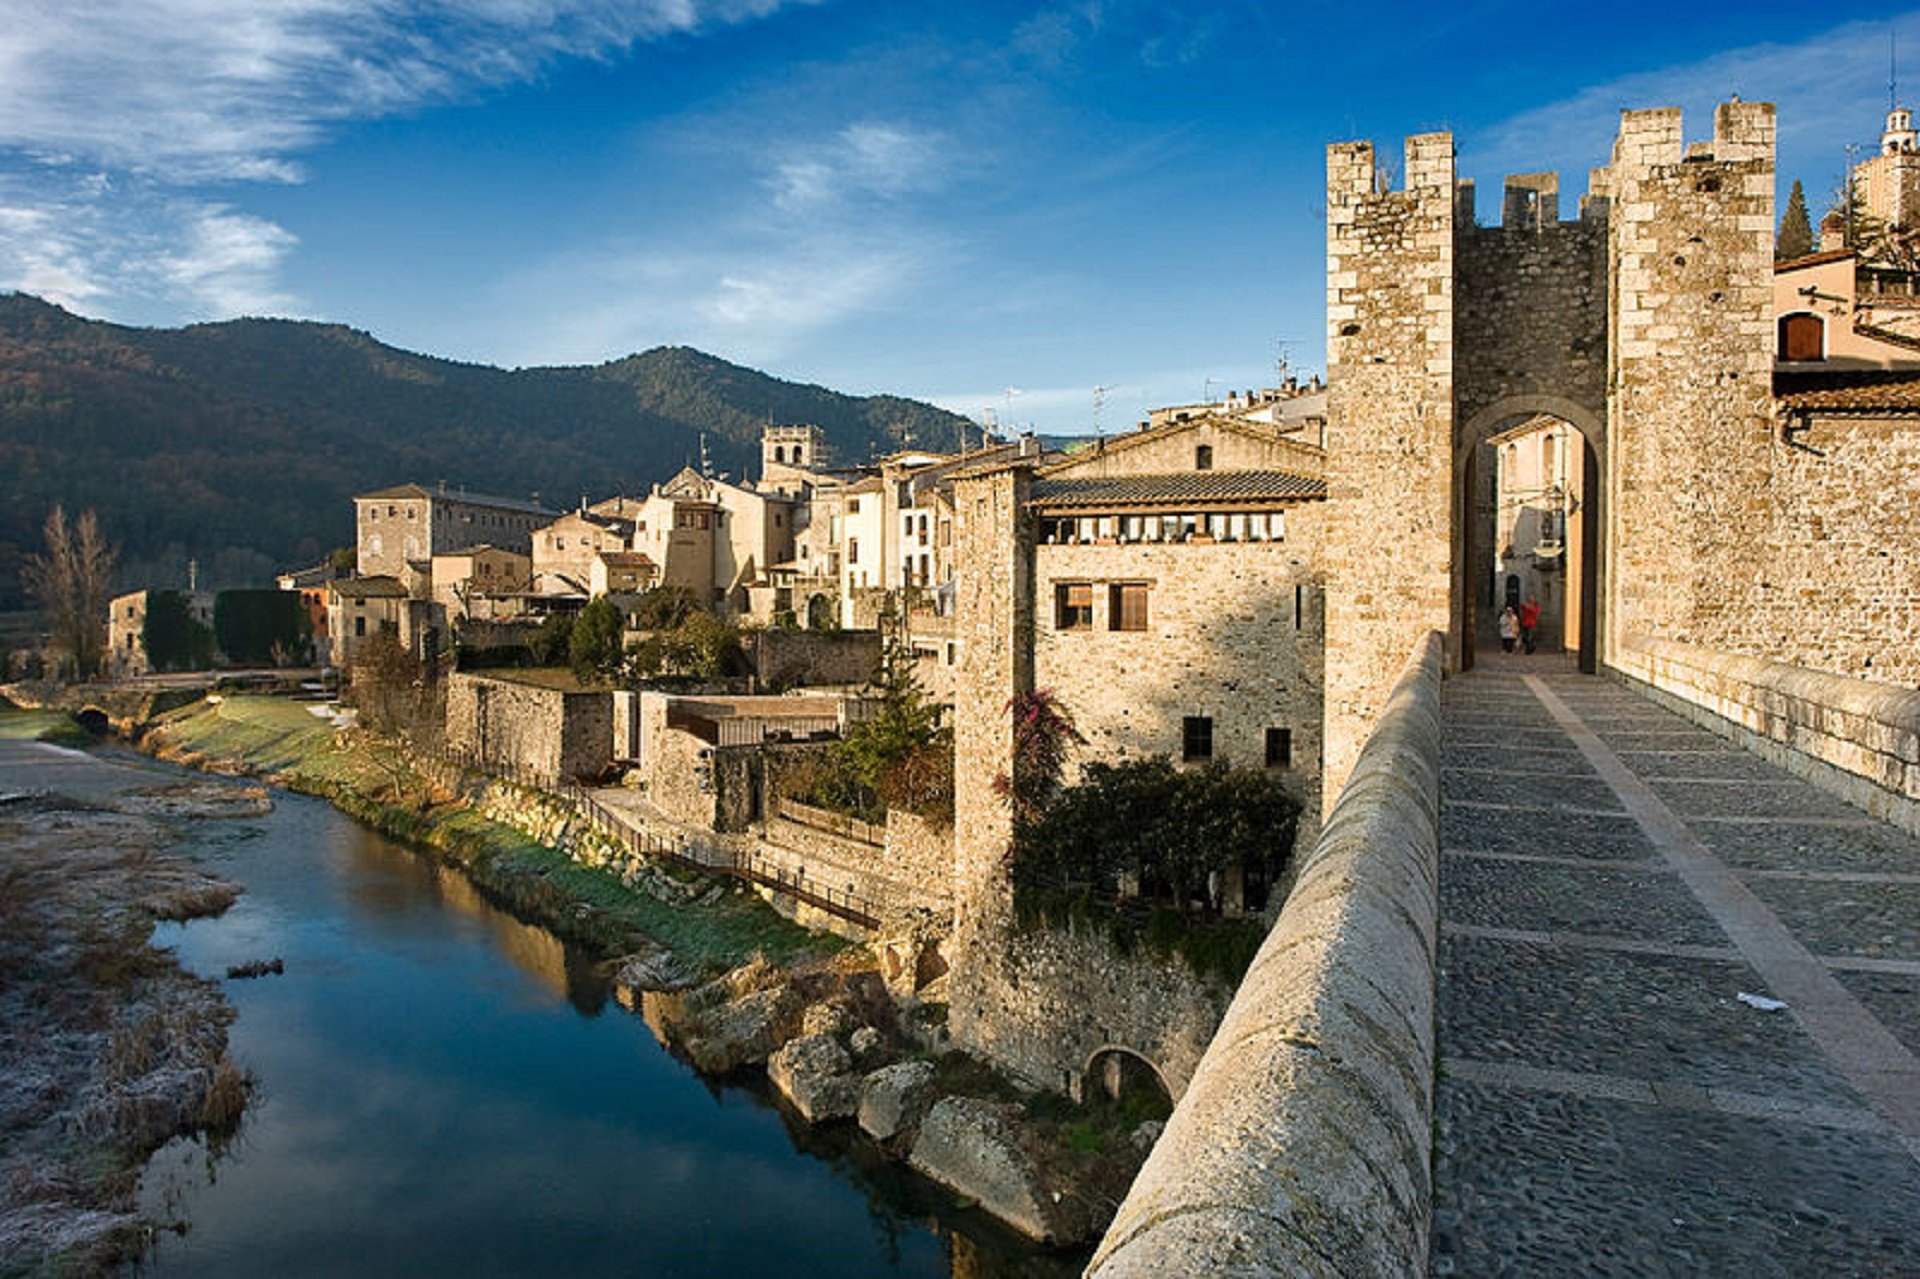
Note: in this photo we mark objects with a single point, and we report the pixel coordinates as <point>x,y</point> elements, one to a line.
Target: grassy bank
<point>378,783</point>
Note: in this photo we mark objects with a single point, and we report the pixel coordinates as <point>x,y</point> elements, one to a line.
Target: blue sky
<point>937,200</point>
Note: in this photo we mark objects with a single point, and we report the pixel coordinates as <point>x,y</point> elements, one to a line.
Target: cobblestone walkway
<point>1613,880</point>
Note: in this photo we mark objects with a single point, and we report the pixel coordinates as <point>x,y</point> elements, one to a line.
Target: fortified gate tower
<point>1645,323</point>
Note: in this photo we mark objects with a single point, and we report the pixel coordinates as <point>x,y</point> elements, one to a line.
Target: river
<point>446,1090</point>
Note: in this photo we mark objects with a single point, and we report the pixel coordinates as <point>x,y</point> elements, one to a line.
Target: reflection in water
<point>439,1095</point>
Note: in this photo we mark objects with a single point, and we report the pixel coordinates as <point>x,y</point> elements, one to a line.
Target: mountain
<point>239,444</point>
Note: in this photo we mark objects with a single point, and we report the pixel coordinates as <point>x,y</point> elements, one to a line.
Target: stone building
<point>1833,311</point>
<point>360,607</point>
<point>127,625</point>
<point>411,524</point>
<point>1537,490</point>
<point>1888,182</point>
<point>472,583</point>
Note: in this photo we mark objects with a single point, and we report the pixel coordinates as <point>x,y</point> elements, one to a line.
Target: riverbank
<point>728,983</point>
<point>108,1047</point>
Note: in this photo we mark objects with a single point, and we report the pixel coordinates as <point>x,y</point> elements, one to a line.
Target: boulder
<point>976,1148</point>
<point>652,969</point>
<point>894,1099</point>
<point>865,1043</point>
<point>826,1018</point>
<point>742,1031</point>
<point>815,1074</point>
<point>1144,1137</point>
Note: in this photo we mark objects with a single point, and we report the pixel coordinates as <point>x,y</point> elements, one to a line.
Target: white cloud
<point>738,295</point>
<point>228,262</point>
<point>1828,84</point>
<point>869,158</point>
<point>113,112</point>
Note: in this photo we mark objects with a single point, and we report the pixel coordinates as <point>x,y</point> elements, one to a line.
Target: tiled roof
<point>359,588</point>
<point>1861,391</point>
<point>456,495</point>
<point>625,559</point>
<point>1193,487</point>
<point>1813,259</point>
<point>1888,336</point>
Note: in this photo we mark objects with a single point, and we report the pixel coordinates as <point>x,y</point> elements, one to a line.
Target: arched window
<point>779,453</point>
<point>1803,336</point>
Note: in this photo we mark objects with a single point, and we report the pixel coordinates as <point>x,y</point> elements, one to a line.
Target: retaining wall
<point>1302,1145</point>
<point>1852,737</point>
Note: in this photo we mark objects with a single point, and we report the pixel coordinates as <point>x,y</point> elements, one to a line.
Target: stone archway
<point>1475,525</point>
<point>1126,1078</point>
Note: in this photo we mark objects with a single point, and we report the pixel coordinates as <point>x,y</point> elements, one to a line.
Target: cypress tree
<point>1796,232</point>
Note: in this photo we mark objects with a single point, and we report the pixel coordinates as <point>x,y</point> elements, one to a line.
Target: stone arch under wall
<point>1115,1070</point>
<point>1471,558</point>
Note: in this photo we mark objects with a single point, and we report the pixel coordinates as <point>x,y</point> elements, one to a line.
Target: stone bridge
<point>1655,997</point>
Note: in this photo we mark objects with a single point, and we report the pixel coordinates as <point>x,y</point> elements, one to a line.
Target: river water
<point>444,1090</point>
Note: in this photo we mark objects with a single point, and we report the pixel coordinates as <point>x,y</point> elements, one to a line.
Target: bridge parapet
<point>1852,737</point>
<point>1302,1145</point>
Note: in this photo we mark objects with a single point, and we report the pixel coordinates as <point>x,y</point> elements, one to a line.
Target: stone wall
<point>912,871</point>
<point>1234,633</point>
<point>1302,1145</point>
<point>1041,1005</point>
<point>782,659</point>
<point>524,728</point>
<point>1857,739</point>
<point>1840,589</point>
<point>1387,553</point>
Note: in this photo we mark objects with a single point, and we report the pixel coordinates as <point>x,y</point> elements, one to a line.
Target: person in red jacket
<point>1529,622</point>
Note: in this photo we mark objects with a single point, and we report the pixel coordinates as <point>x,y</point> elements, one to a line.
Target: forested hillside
<point>239,444</point>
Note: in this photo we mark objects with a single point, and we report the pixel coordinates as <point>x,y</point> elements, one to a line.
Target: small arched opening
<point>95,721</point>
<point>1126,1081</point>
<point>819,613</point>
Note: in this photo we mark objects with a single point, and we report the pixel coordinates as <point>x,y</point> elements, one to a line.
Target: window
<point>1073,606</point>
<point>1203,457</point>
<point>853,550</point>
<point>1127,606</point>
<point>853,506</point>
<point>360,626</point>
<point>1196,738</point>
<point>1279,748</point>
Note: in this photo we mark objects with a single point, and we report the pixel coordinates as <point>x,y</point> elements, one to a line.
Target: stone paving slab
<point>1542,832</point>
<point>1668,1019</point>
<point>1544,1184</point>
<point>1895,999</point>
<point>1735,765</point>
<point>1511,757</point>
<point>1777,846</point>
<point>1843,918</point>
<point>1696,797</point>
<point>1650,904</point>
<point>1529,789</point>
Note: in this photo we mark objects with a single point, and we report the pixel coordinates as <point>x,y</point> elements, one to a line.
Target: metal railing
<point>832,823</point>
<point>638,839</point>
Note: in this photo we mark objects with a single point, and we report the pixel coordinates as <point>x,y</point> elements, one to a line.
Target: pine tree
<point>1796,232</point>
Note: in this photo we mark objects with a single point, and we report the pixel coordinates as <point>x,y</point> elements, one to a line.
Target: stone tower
<point>789,453</point>
<point>1387,557</point>
<point>1646,324</point>
<point>995,615</point>
<point>1690,419</point>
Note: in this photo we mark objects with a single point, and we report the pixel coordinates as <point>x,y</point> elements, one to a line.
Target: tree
<point>261,627</point>
<point>174,638</point>
<point>553,641</point>
<point>1796,232</point>
<point>597,647</point>
<point>72,580</point>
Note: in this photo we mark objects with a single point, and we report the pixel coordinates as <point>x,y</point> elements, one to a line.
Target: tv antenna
<point>1099,406</point>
